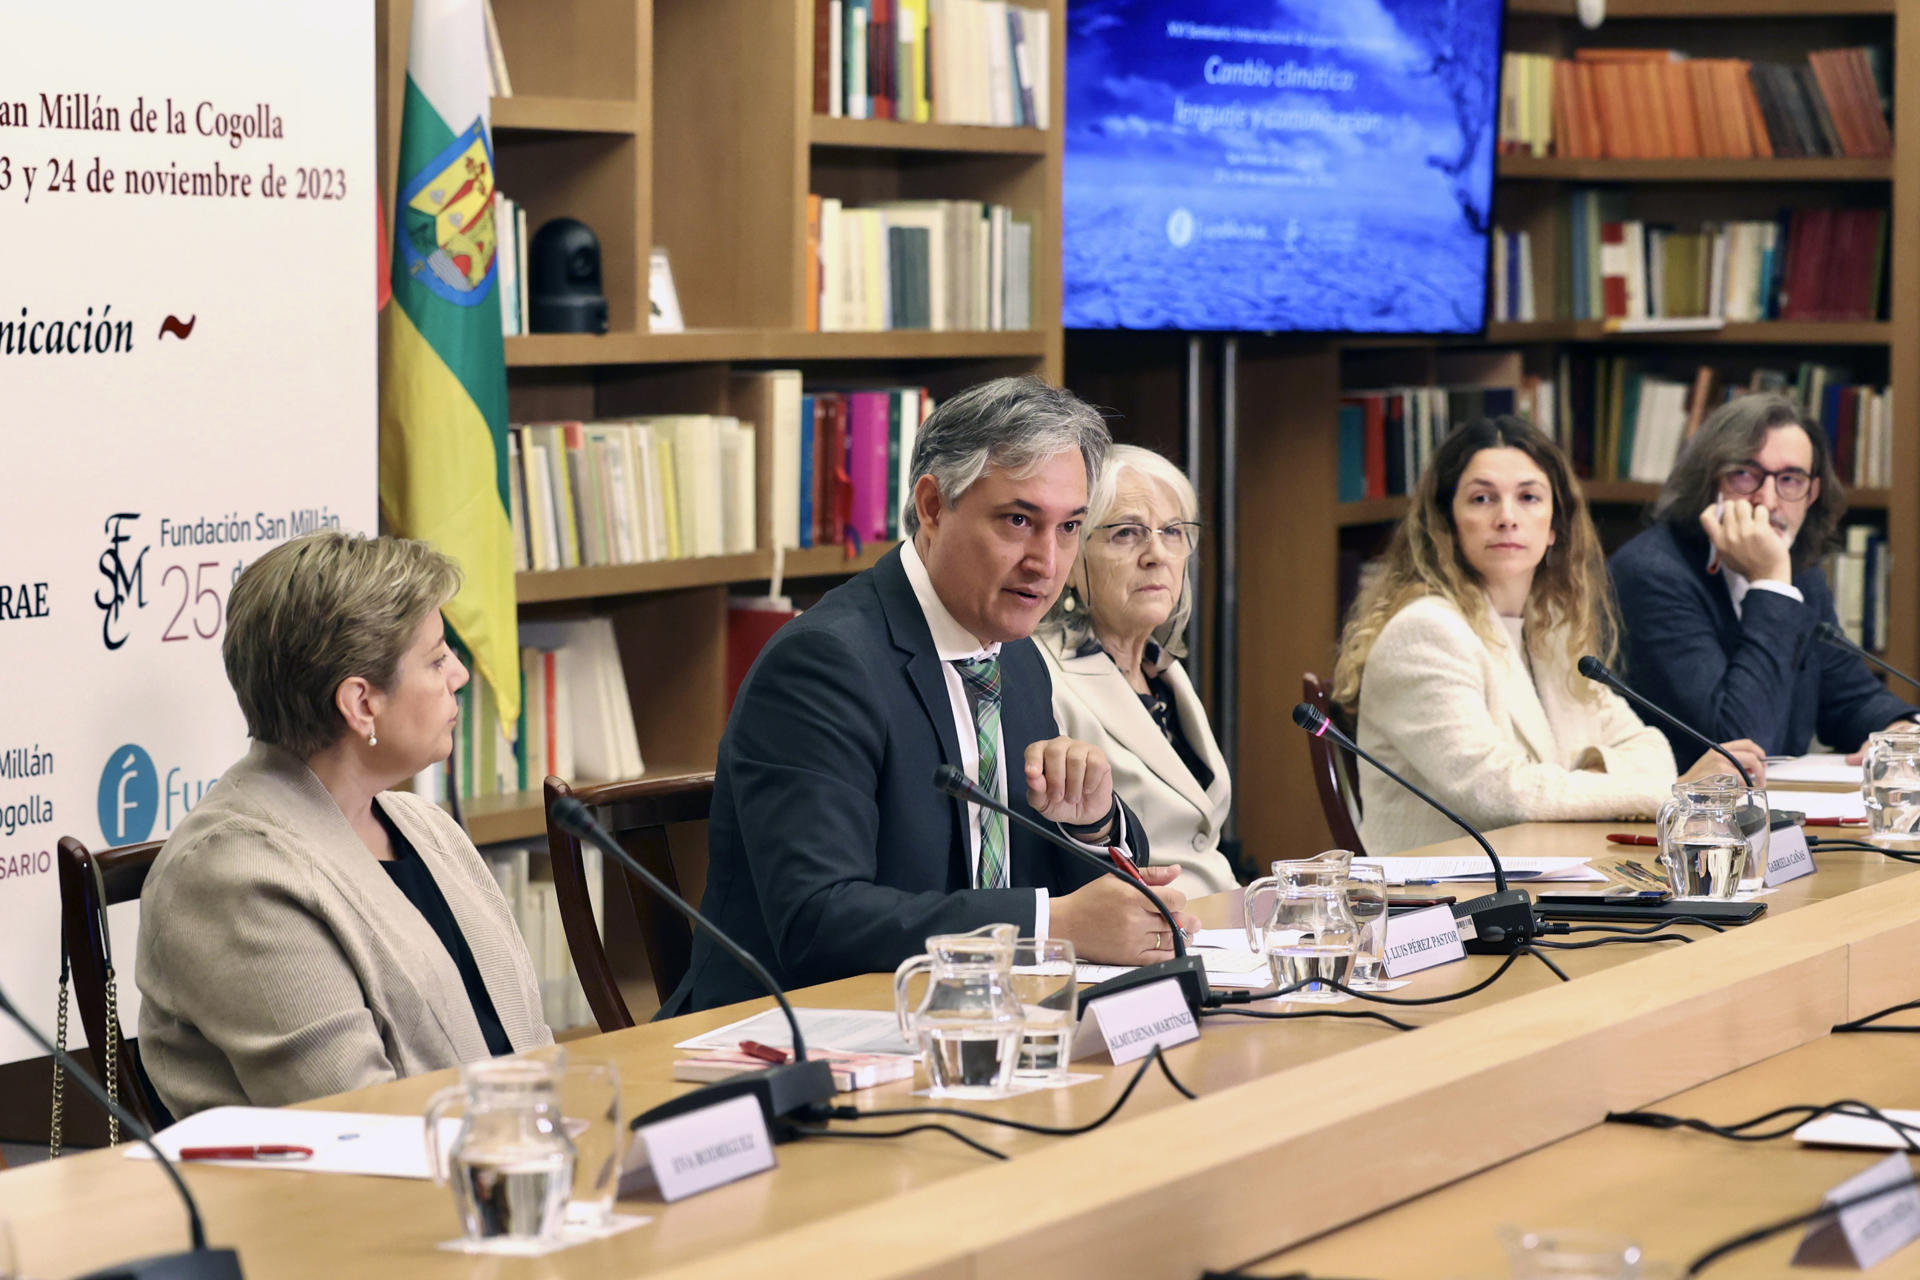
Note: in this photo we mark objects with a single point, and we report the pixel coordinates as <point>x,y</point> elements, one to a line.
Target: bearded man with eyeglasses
<point>1721,597</point>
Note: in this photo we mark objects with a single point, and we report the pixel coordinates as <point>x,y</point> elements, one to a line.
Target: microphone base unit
<point>1501,921</point>
<point>1189,971</point>
<point>195,1264</point>
<point>784,1091</point>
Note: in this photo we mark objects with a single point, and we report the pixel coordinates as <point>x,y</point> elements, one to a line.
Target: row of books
<point>627,492</point>
<point>576,720</point>
<point>917,264</point>
<point>536,912</point>
<point>1387,436</point>
<point>941,61</point>
<point>1616,419</point>
<point>1808,264</point>
<point>510,250</point>
<point>1629,104</point>
<point>1624,421</point>
<point>1859,573</point>
<point>1513,296</point>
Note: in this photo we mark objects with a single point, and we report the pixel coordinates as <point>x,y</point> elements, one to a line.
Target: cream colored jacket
<point>1093,702</point>
<point>278,962</point>
<point>1462,719</point>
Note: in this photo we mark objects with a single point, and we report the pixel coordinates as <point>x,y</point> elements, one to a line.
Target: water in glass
<point>1710,833</point>
<point>969,1020</point>
<point>1309,934</point>
<point>1367,899</point>
<point>1891,786</point>
<point>1045,981</point>
<point>511,1163</point>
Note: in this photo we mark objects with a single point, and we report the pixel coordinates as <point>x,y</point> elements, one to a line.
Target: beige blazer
<point>278,961</point>
<point>1093,702</point>
<point>1464,720</point>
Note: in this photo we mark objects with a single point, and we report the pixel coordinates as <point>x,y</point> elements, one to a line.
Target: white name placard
<point>1422,939</point>
<point>1788,857</point>
<point>704,1149</point>
<point>1870,1231</point>
<point>1129,1024</point>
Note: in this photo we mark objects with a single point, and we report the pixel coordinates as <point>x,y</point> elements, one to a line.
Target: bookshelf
<point>1296,541</point>
<point>689,125</point>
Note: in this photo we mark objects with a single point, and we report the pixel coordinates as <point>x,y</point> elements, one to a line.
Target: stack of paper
<point>1419,870</point>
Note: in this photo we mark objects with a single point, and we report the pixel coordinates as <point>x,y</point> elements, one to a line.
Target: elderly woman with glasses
<point>1111,645</point>
<point>1723,596</point>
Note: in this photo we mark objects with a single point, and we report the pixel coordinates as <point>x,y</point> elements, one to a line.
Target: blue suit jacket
<point>1761,675</point>
<point>829,851</point>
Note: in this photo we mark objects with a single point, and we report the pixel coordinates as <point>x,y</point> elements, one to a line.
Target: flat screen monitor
<point>1280,165</point>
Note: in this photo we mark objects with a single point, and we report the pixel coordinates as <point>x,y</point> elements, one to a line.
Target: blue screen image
<point>1279,165</point>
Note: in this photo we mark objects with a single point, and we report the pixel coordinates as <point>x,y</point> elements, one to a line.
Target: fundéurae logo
<point>129,797</point>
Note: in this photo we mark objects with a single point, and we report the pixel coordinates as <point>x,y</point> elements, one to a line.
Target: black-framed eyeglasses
<point>1791,483</point>
<point>1129,537</point>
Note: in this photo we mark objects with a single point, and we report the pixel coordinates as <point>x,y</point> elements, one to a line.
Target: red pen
<point>764,1052</point>
<point>1836,822</point>
<point>264,1152</point>
<point>1125,863</point>
<point>1649,841</point>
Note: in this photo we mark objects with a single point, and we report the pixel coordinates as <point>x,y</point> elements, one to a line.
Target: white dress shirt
<point>954,643</point>
<point>1738,586</point>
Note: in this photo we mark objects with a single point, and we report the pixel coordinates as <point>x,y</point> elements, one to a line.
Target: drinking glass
<point>1570,1255</point>
<point>1890,784</point>
<point>1043,979</point>
<point>1367,900</point>
<point>590,1101</point>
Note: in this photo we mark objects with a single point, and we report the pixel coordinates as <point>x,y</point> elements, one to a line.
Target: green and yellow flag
<point>443,412</point>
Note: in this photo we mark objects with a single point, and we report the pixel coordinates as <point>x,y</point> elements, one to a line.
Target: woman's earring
<point>373,736</point>
<point>1069,599</point>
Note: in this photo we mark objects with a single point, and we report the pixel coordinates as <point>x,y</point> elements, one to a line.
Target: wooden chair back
<point>89,884</point>
<point>1335,773</point>
<point>638,813</point>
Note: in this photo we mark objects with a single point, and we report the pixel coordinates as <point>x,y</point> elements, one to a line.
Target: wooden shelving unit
<point>896,135</point>
<point>1297,540</point>
<point>1784,169</point>
<point>690,126</point>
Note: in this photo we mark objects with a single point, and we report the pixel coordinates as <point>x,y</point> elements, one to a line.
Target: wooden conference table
<point>1302,1128</point>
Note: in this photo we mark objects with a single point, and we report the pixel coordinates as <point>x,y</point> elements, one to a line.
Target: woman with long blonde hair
<point>1460,658</point>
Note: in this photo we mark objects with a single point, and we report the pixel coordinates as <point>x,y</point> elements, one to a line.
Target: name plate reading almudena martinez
<point>188,353</point>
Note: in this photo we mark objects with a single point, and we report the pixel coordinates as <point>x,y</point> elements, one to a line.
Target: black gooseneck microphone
<point>801,1088</point>
<point>1835,636</point>
<point>1189,971</point>
<point>198,1263</point>
<point>1502,920</point>
<point>1594,669</point>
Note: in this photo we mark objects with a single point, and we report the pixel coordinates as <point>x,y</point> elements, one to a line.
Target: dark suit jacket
<point>1762,675</point>
<point>829,851</point>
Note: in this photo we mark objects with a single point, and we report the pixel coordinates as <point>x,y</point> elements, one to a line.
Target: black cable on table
<point>1590,943</point>
<point>1154,1056</point>
<point>1750,1130</point>
<point>1864,1023</point>
<point>1247,997</point>
<point>953,1133</point>
<point>1758,1234</point>
<point>1655,927</point>
<point>1277,1015</point>
<point>1544,959</point>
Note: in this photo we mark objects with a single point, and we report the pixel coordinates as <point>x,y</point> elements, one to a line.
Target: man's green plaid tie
<point>981,678</point>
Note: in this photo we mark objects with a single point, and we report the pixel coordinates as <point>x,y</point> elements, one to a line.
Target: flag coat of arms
<point>443,410</point>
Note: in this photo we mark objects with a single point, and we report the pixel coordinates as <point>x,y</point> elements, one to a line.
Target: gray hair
<point>1070,616</point>
<point>1016,424</point>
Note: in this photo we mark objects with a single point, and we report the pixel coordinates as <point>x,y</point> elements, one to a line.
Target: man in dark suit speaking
<point>830,853</point>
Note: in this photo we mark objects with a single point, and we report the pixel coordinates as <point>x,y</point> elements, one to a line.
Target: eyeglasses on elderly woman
<point>1129,537</point>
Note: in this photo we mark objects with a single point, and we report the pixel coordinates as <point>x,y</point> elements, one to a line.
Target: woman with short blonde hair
<point>1461,656</point>
<point>1112,646</point>
<point>307,929</point>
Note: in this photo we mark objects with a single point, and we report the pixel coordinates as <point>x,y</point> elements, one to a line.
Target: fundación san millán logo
<point>129,796</point>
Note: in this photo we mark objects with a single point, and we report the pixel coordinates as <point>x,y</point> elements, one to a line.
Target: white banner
<point>187,379</point>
